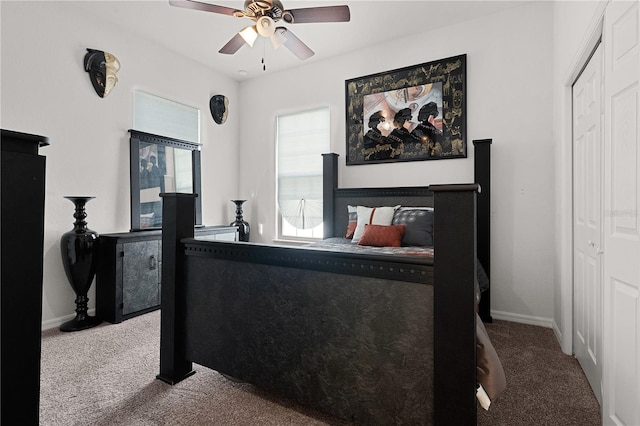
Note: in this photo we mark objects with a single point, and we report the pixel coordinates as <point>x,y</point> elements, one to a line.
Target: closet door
<point>621,404</point>
<point>587,221</point>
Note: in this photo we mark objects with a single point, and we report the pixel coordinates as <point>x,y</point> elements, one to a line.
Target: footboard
<point>340,343</point>
<point>372,339</point>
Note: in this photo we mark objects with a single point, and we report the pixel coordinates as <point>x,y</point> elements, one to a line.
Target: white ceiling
<point>199,35</point>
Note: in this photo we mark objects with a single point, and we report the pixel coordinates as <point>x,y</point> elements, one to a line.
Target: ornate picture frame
<point>408,114</point>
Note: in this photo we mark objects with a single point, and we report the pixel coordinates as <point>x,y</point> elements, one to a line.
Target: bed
<point>374,338</point>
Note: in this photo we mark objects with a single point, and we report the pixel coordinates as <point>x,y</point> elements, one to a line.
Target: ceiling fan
<point>265,14</point>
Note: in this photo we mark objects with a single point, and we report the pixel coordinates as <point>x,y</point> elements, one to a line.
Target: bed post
<point>178,215</point>
<point>454,275</point>
<point>329,183</point>
<point>482,176</point>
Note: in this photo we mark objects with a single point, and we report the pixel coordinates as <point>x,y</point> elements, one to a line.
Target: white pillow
<point>372,216</point>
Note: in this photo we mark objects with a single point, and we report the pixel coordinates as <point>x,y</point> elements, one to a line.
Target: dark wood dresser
<point>129,270</point>
<point>23,189</point>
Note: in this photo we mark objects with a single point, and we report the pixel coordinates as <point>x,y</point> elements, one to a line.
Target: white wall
<point>513,97</point>
<point>46,91</point>
<point>575,25</point>
<point>509,92</point>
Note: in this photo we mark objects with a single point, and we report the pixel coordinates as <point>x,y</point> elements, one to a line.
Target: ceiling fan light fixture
<point>265,14</point>
<point>249,35</point>
<point>266,26</point>
<point>278,38</point>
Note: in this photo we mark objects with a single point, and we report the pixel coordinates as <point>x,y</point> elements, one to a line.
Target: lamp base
<point>77,324</point>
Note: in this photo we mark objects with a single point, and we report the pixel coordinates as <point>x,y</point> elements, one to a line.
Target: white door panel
<point>587,226</point>
<point>621,374</point>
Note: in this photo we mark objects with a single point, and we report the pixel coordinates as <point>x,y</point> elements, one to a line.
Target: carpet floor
<point>105,376</point>
<point>544,386</point>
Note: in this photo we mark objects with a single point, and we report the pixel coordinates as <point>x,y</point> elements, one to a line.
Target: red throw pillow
<point>353,221</point>
<point>351,229</point>
<point>382,236</point>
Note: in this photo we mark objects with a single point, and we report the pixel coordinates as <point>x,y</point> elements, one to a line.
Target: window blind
<point>302,138</point>
<point>160,116</point>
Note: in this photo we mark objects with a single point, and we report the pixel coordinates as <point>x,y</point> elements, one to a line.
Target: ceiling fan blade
<point>207,7</point>
<point>317,14</point>
<point>296,45</point>
<point>232,45</point>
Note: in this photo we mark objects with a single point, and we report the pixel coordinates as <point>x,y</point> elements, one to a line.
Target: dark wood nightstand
<point>129,273</point>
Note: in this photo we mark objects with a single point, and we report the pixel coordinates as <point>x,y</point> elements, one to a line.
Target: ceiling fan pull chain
<point>264,53</point>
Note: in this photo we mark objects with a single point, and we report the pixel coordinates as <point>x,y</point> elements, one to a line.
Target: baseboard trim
<point>523,319</point>
<point>556,331</point>
<point>565,347</point>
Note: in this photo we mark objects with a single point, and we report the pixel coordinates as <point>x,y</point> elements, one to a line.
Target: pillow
<point>382,236</point>
<point>419,222</point>
<point>372,216</point>
<point>353,221</point>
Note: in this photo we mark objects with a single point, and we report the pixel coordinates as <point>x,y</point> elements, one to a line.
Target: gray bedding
<point>346,245</point>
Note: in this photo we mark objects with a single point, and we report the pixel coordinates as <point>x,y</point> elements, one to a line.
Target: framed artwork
<point>408,114</point>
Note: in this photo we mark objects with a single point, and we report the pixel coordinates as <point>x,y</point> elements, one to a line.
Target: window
<point>163,163</point>
<point>160,116</point>
<point>301,139</point>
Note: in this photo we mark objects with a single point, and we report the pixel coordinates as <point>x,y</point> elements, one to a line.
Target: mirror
<point>161,164</point>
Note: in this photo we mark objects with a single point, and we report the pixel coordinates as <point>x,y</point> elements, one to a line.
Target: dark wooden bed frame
<point>370,338</point>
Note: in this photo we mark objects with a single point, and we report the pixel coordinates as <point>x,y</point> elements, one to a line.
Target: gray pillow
<point>419,225</point>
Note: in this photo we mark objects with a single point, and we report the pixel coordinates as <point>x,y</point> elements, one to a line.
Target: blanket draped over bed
<point>374,338</point>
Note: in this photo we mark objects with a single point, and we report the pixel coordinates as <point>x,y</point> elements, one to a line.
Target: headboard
<point>335,201</point>
<point>418,196</point>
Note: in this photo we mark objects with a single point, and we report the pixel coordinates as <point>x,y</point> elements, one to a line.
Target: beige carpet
<point>544,386</point>
<point>106,376</point>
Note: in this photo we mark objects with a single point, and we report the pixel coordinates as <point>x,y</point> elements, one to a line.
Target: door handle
<point>152,262</point>
<point>593,244</point>
<point>598,249</point>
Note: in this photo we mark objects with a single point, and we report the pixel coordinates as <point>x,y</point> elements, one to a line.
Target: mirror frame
<point>136,138</point>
